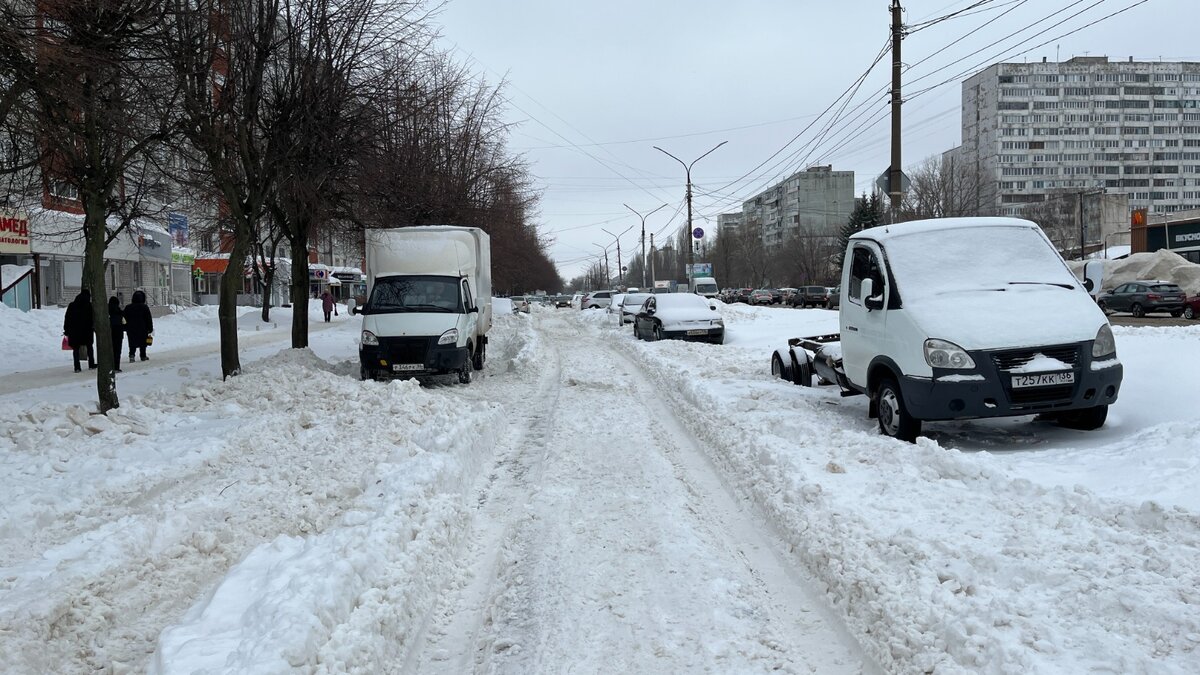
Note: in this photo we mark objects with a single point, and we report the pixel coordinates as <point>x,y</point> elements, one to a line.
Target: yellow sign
<point>14,232</point>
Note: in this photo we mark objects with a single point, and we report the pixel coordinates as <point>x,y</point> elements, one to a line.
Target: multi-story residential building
<point>813,202</point>
<point>729,222</point>
<point>1044,132</point>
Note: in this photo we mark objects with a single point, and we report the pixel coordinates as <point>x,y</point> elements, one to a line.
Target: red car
<point>1191,307</point>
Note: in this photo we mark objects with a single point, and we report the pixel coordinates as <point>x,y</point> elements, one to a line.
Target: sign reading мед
<point>14,232</point>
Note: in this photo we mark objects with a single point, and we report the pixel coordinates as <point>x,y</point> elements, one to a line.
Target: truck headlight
<point>369,339</point>
<point>718,322</point>
<point>1104,345</point>
<point>943,354</point>
<point>449,337</point>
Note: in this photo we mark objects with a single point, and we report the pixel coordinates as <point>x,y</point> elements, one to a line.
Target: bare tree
<point>98,97</point>
<point>943,187</point>
<point>221,51</point>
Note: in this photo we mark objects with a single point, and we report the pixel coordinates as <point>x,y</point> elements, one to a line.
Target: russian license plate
<point>700,331</point>
<point>398,367</point>
<point>1042,380</point>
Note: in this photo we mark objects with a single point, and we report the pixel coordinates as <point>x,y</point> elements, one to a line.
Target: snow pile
<point>943,561</point>
<point>312,514</point>
<point>10,273</point>
<point>1160,265</point>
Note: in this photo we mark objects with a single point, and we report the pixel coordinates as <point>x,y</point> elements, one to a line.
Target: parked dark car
<point>1142,297</point>
<point>743,294</point>
<point>835,298</point>
<point>1191,307</point>
<point>811,296</point>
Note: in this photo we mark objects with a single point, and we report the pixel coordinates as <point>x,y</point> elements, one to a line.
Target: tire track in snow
<point>448,639</point>
<point>629,554</point>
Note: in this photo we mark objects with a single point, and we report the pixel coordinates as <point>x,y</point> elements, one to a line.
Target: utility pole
<point>653,255</point>
<point>687,168</point>
<point>643,239</point>
<point>617,237</point>
<point>894,173</point>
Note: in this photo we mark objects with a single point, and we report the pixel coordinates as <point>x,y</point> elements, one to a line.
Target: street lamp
<point>617,238</point>
<point>607,275</point>
<point>687,168</point>
<point>644,238</point>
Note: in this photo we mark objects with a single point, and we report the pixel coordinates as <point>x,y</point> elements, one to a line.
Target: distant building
<point>1046,132</point>
<point>813,202</point>
<point>729,222</point>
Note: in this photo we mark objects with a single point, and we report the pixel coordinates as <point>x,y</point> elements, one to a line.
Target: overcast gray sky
<point>593,85</point>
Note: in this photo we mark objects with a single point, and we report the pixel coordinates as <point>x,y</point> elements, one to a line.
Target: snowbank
<point>1160,265</point>
<point>940,560</point>
<point>291,517</point>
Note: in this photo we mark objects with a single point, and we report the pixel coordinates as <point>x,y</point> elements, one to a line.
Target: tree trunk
<point>299,250</point>
<point>93,279</point>
<point>232,282</point>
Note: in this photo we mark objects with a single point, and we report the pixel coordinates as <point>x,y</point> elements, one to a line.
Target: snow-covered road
<point>605,541</point>
<point>591,504</point>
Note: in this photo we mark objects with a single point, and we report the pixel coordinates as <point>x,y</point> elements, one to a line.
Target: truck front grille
<point>404,349</point>
<point>1015,358</point>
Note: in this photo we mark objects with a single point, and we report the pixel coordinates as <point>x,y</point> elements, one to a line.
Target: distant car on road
<point>683,316</point>
<point>562,301</point>
<point>597,300</point>
<point>761,297</point>
<point>835,298</point>
<point>1141,297</point>
<point>630,305</point>
<point>811,296</point>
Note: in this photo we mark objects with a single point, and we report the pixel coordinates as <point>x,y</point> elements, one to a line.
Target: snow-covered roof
<point>885,232</point>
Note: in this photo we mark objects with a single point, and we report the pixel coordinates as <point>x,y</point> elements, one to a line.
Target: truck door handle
<point>852,328</point>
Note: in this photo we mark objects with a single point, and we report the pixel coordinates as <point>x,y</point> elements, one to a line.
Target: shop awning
<point>211,265</point>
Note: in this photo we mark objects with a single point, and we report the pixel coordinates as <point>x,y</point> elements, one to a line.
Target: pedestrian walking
<point>139,324</point>
<point>116,322</point>
<point>79,329</point>
<point>327,304</point>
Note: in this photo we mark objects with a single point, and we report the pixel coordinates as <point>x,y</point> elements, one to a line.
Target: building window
<point>63,189</point>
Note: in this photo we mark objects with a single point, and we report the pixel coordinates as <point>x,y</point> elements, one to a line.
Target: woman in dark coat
<point>116,321</point>
<point>138,323</point>
<point>78,327</point>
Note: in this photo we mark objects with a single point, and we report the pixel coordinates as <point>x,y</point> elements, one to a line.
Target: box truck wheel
<point>464,373</point>
<point>894,420</point>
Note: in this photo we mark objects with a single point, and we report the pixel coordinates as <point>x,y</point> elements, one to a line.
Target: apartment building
<point>1038,132</point>
<point>813,202</point>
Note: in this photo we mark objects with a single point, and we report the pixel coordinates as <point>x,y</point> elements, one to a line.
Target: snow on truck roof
<point>885,232</point>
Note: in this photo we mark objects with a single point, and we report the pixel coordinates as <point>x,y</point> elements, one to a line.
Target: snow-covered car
<point>519,304</point>
<point>630,305</point>
<point>614,307</point>
<point>683,316</point>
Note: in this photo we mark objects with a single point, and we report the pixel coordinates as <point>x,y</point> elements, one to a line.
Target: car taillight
<point>1153,296</point>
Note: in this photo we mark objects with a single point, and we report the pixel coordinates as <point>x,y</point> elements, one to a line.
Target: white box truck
<point>706,286</point>
<point>429,302</point>
<point>962,318</point>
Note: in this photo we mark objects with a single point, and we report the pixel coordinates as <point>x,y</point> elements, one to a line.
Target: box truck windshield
<point>424,293</point>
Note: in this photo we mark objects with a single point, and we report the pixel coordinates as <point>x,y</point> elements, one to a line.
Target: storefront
<point>1179,232</point>
<point>18,266</point>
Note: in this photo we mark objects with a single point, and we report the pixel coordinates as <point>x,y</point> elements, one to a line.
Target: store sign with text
<point>14,232</point>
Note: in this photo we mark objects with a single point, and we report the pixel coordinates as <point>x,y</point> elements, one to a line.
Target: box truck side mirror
<point>870,300</point>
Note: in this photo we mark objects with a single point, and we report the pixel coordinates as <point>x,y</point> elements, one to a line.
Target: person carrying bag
<point>139,324</point>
